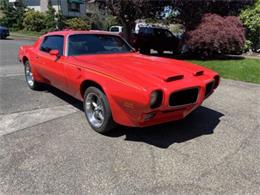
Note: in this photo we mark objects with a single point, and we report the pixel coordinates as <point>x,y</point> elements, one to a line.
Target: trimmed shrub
<point>216,35</point>
<point>34,21</point>
<point>251,19</point>
<point>77,24</point>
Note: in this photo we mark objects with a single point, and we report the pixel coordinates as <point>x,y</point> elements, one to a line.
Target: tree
<point>50,17</point>
<point>251,19</point>
<point>34,21</point>
<point>99,18</point>
<point>190,12</point>
<point>60,20</point>
<point>12,16</point>
<point>77,24</point>
<point>217,35</point>
<point>128,11</point>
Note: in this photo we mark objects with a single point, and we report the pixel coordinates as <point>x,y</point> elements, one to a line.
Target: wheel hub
<point>29,75</point>
<point>94,110</point>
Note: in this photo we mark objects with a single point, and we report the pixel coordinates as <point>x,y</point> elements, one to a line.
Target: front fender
<point>127,101</point>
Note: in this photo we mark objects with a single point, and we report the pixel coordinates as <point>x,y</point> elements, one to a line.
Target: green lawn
<point>25,34</point>
<point>237,69</point>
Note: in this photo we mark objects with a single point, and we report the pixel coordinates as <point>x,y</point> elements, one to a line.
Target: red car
<point>116,84</point>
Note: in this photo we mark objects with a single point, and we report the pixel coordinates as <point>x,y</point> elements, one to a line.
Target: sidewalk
<point>246,56</point>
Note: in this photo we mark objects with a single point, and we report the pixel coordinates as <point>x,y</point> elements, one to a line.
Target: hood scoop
<point>198,73</point>
<point>173,78</point>
<point>170,78</point>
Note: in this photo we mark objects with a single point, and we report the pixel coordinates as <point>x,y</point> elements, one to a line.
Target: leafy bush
<point>251,19</point>
<point>60,20</point>
<point>50,17</point>
<point>77,24</point>
<point>247,46</point>
<point>12,17</point>
<point>217,35</point>
<point>98,19</point>
<point>34,21</point>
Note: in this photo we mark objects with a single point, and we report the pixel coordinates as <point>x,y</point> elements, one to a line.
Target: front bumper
<point>165,116</point>
<point>166,113</point>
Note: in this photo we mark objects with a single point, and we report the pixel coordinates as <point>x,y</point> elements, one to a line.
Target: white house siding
<point>41,5</point>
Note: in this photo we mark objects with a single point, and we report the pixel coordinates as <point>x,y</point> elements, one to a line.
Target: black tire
<point>160,51</point>
<point>144,50</point>
<point>32,84</point>
<point>108,123</point>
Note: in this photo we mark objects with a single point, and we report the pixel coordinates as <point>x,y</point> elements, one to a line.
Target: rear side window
<point>146,31</point>
<point>53,42</point>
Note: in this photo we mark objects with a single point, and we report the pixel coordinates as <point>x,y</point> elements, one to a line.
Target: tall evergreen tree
<point>50,17</point>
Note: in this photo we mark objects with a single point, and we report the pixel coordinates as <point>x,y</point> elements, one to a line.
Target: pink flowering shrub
<point>217,35</point>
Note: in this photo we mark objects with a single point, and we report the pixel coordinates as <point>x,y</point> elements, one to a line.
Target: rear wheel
<point>97,110</point>
<point>29,76</point>
<point>160,51</point>
<point>145,50</point>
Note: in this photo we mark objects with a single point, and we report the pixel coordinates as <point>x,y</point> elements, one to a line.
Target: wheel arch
<point>90,83</point>
<point>24,59</point>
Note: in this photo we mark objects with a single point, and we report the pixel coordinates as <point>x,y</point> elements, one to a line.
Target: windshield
<point>82,44</point>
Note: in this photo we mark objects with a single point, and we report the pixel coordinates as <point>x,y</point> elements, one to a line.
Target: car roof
<point>71,32</point>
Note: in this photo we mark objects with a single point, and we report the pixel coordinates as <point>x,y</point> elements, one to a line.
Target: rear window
<point>163,33</point>
<point>114,29</point>
<point>146,31</point>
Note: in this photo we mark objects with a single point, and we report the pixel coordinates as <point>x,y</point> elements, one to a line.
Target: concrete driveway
<point>47,147</point>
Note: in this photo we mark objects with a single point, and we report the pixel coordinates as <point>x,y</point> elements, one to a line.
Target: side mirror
<point>54,52</point>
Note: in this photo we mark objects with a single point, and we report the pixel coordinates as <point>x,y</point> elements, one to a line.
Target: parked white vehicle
<point>118,29</point>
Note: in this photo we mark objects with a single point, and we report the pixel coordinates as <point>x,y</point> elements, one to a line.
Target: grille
<point>209,88</point>
<point>187,96</point>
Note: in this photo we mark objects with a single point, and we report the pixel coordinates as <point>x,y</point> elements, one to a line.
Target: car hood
<point>141,69</point>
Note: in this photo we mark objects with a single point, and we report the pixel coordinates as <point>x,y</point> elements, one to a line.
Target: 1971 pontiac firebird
<point>116,84</point>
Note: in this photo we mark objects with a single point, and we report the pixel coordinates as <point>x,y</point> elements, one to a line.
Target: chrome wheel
<point>29,75</point>
<point>94,110</point>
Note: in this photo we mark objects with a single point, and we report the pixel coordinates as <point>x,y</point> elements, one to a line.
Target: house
<point>69,8</point>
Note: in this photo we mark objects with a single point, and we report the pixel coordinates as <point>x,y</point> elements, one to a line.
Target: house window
<point>75,7</point>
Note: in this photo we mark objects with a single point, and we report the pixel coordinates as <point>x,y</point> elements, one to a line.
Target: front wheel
<point>97,110</point>
<point>29,76</point>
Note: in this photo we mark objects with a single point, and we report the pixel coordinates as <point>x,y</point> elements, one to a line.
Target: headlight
<point>156,99</point>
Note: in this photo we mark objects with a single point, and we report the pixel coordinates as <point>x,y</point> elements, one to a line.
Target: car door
<point>171,40</point>
<point>52,67</point>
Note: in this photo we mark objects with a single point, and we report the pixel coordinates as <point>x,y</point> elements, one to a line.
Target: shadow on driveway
<point>200,122</point>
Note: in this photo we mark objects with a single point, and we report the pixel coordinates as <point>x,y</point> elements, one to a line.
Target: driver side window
<point>54,42</point>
